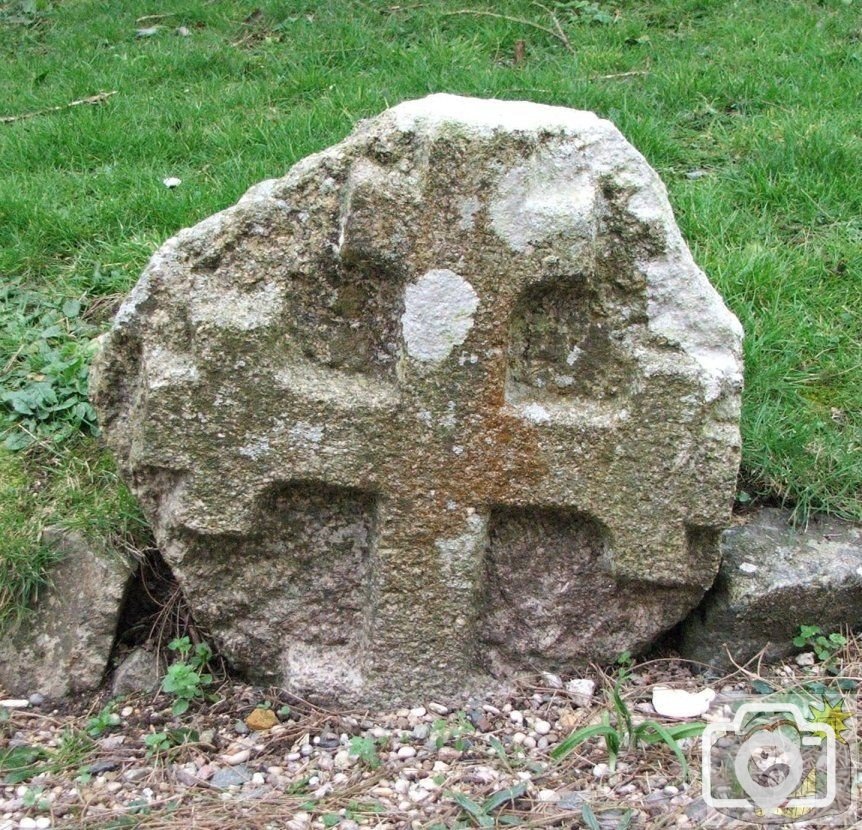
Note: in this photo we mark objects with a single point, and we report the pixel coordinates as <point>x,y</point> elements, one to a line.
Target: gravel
<point>388,770</point>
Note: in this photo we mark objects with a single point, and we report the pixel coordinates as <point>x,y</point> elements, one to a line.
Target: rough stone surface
<point>63,645</point>
<point>774,578</point>
<point>449,398</point>
<point>138,672</point>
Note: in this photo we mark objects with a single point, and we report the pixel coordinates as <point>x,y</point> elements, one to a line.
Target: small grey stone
<point>138,672</point>
<point>240,728</point>
<point>571,801</point>
<point>105,765</point>
<point>421,731</point>
<point>63,646</point>
<point>697,811</point>
<point>231,777</point>
<point>36,699</point>
<point>792,575</point>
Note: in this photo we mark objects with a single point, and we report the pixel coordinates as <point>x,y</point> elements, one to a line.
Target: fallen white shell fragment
<point>172,181</point>
<point>680,704</point>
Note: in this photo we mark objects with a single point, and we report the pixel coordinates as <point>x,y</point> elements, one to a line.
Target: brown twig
<point>93,99</point>
<point>561,35</point>
<point>619,75</point>
<point>557,34</point>
<point>147,17</point>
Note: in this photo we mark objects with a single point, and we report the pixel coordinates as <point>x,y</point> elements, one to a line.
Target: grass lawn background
<point>750,111</point>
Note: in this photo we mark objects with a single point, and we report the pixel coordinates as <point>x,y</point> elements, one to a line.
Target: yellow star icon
<point>835,716</point>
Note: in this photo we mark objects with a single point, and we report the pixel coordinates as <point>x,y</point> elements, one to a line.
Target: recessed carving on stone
<point>470,320</point>
<point>300,574</point>
<point>562,344</point>
<point>552,597</point>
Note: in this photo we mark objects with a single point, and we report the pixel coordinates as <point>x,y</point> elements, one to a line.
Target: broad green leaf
<point>673,744</point>
<point>589,818</point>
<point>501,797</point>
<point>568,745</point>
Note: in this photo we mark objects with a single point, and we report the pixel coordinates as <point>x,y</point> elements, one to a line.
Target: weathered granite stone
<point>138,672</point>
<point>775,577</point>
<point>62,646</point>
<point>450,397</point>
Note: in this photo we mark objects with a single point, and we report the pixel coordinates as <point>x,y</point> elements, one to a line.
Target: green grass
<point>761,101</point>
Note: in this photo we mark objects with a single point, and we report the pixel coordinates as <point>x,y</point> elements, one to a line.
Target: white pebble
<point>343,759</point>
<point>805,659</point>
<point>553,680</point>
<point>27,823</point>
<point>172,181</point>
<point>13,703</point>
<point>406,752</point>
<point>299,822</point>
<point>542,727</point>
<point>438,708</point>
<point>548,796</point>
<point>530,742</point>
<point>418,712</point>
<point>43,823</point>
<point>516,716</point>
<point>259,779</point>
<point>581,690</point>
<point>237,758</point>
<point>417,794</point>
<point>601,770</point>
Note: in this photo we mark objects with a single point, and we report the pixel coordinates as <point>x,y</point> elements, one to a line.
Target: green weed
<point>46,347</point>
<point>186,679</point>
<point>825,646</point>
<point>162,743</point>
<point>621,734</point>
<point>365,749</point>
<point>482,815</point>
<point>99,724</point>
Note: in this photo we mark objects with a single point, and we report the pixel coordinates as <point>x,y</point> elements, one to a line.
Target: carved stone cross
<point>450,399</point>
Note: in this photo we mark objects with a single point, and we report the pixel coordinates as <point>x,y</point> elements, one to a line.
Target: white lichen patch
<point>256,448</point>
<point>535,413</point>
<point>305,433</point>
<point>438,314</point>
<point>549,195</point>
<point>167,368</point>
<point>239,310</point>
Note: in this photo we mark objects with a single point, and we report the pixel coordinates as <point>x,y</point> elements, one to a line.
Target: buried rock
<point>63,644</point>
<point>773,578</point>
<point>449,399</point>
